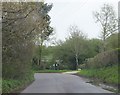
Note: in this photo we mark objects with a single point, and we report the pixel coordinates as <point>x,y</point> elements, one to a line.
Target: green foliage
<point>47,56</point>
<point>50,71</point>
<point>106,75</point>
<point>11,85</point>
<point>64,51</point>
<point>103,59</point>
<point>0,85</point>
<point>94,47</point>
<point>22,22</point>
<point>112,41</point>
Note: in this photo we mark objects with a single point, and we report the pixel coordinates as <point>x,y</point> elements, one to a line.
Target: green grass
<point>12,85</point>
<point>50,71</point>
<point>106,75</point>
<point>9,85</point>
<point>0,85</point>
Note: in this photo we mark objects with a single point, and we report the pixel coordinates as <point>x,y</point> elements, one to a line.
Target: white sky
<point>76,12</point>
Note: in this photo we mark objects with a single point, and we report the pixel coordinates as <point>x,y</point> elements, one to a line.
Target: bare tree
<point>76,39</point>
<point>108,21</point>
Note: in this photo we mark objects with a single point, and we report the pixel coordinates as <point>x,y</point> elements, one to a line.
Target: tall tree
<point>76,42</point>
<point>21,22</point>
<point>108,21</point>
<point>46,30</point>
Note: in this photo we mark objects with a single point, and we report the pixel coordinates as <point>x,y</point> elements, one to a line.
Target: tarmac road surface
<point>61,83</point>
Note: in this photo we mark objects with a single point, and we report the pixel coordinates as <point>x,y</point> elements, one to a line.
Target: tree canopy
<point>108,21</point>
<point>22,22</point>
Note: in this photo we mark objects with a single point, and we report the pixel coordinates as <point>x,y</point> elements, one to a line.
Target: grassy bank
<point>0,85</point>
<point>14,86</point>
<point>106,75</point>
<point>50,71</point>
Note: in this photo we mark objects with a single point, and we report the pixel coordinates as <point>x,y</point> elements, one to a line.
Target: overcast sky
<point>76,12</point>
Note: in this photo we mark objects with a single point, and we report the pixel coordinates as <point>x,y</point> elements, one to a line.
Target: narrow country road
<point>61,83</point>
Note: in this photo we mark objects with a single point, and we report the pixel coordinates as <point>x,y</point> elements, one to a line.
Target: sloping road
<point>61,83</point>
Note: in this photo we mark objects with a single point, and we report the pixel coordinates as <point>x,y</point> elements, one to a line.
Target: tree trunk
<point>38,61</point>
<point>104,47</point>
<point>104,41</point>
<point>40,55</point>
<point>76,56</point>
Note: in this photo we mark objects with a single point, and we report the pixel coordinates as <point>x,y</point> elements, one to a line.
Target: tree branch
<point>17,11</point>
<point>15,19</point>
<point>20,17</point>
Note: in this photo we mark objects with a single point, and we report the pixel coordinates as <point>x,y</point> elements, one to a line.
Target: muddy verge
<point>98,82</point>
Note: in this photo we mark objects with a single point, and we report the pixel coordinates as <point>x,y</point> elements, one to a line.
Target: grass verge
<point>50,71</point>
<point>15,86</point>
<point>0,86</point>
<point>106,75</point>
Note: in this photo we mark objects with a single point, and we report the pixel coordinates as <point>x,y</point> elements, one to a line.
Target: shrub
<point>103,59</point>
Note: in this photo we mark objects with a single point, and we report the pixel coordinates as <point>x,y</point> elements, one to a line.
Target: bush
<point>104,59</point>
